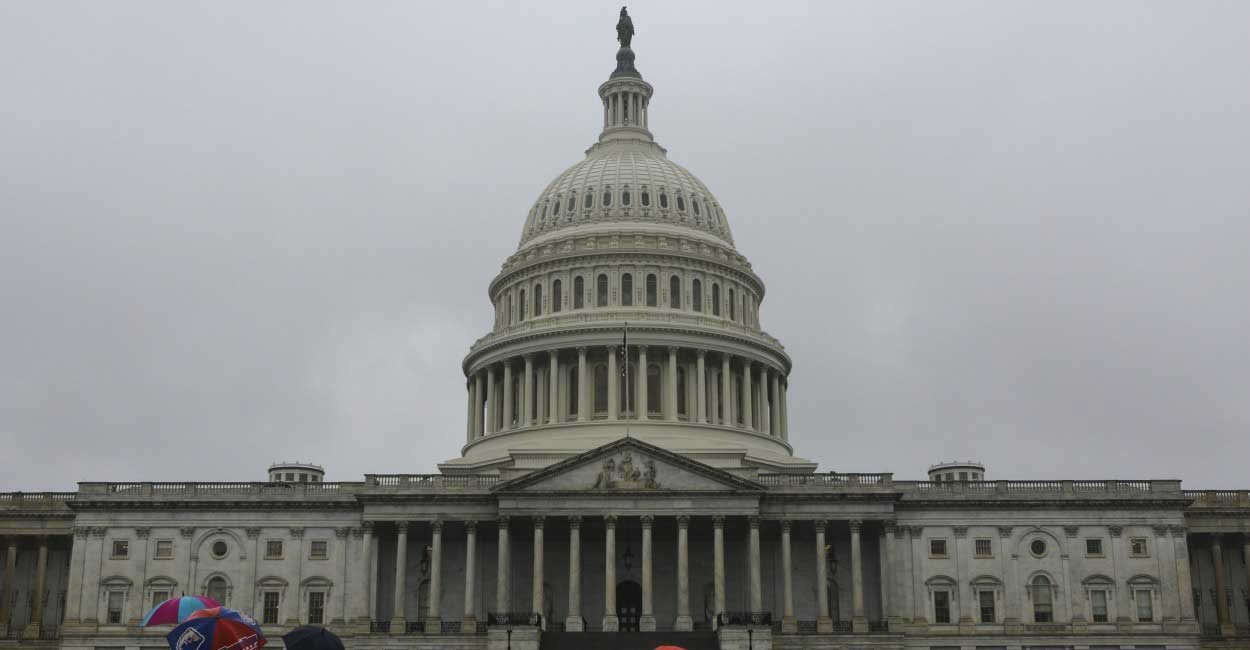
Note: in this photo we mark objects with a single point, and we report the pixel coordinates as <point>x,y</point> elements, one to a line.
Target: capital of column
<point>575,522</point>
<point>400,526</point>
<point>357,533</point>
<point>1071,531</point>
<point>507,364</point>
<point>858,524</point>
<point>683,521</point>
<point>673,349</point>
<point>718,521</point>
<point>610,348</point>
<point>538,522</point>
<point>754,521</point>
<point>916,532</point>
<point>341,532</point>
<point>1115,530</point>
<point>298,532</point>
<point>528,356</point>
<point>470,526</point>
<point>1177,531</point>
<point>436,526</point>
<point>581,349</point>
<point>820,525</point>
<point>961,532</point>
<point>367,525</point>
<point>253,533</point>
<point>501,521</point>
<point>785,525</point>
<point>1160,531</point>
<point>610,521</point>
<point>142,533</point>
<point>747,363</point>
<point>1005,532</point>
<point>641,348</point>
<point>647,520</point>
<point>889,526</point>
<point>700,353</point>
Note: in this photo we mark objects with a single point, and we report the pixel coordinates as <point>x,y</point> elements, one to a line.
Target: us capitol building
<point>620,493</point>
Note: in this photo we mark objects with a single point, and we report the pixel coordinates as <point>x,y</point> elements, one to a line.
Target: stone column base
<point>611,624</point>
<point>646,623</point>
<point>399,626</point>
<point>468,625</point>
<point>574,624</point>
<point>824,625</point>
<point>859,625</point>
<point>683,624</point>
<point>31,631</point>
<point>433,626</point>
<point>521,638</point>
<point>744,638</point>
<point>1228,630</point>
<point>789,625</point>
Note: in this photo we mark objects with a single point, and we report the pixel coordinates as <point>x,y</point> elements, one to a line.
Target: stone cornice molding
<point>1071,531</point>
<point>1115,531</point>
<point>298,532</point>
<point>143,532</point>
<point>960,532</point>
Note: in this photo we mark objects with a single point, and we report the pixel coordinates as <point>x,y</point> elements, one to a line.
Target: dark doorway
<point>629,605</point>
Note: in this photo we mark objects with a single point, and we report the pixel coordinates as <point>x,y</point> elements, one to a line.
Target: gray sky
<point>232,233</point>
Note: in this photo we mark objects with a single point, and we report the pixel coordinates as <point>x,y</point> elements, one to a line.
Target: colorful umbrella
<point>308,637</point>
<point>216,628</point>
<point>176,610</point>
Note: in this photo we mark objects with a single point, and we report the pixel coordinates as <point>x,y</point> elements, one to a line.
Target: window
<point>607,198</point>
<point>715,299</point>
<point>651,290</point>
<point>273,549</point>
<point>555,207</point>
<point>557,291</point>
<point>625,198</point>
<point>963,476</point>
<point>116,600</point>
<point>986,601</point>
<point>319,549</point>
<point>984,548</point>
<point>572,202</point>
<point>538,300</point>
<point>601,291</point>
<point>574,391</point>
<point>121,549</point>
<point>1038,547</point>
<point>663,200</point>
<point>937,548</point>
<point>218,590</point>
<point>1093,547</point>
<point>159,596</point>
<point>674,292</point>
<point>588,201</point>
<point>646,199</point>
<point>522,305</point>
<point>579,292</point>
<point>164,549</point>
<point>601,389</point>
<point>219,549</point>
<point>627,290</point>
<point>1145,605</point>
<point>510,320</point>
<point>694,203</point>
<point>1139,547</point>
<point>1098,605</point>
<point>681,203</point>
<point>1043,609</point>
<point>941,607</point>
<point>269,608</point>
<point>696,300</point>
<point>732,314</point>
<point>316,607</point>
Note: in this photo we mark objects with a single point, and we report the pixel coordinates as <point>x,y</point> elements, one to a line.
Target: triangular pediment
<point>629,465</point>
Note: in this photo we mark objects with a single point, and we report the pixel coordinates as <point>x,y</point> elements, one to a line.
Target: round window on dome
<point>663,200</point>
<point>588,201</point>
<point>681,204</point>
<point>646,199</point>
<point>220,548</point>
<point>625,197</point>
<point>607,199</point>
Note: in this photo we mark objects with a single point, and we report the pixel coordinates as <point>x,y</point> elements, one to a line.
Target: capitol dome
<point>626,310</point>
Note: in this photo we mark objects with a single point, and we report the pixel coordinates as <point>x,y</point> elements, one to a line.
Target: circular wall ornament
<point>1038,547</point>
<point>220,549</point>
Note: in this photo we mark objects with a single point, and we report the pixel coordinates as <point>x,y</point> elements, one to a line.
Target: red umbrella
<point>669,647</point>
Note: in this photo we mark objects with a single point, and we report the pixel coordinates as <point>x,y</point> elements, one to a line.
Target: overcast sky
<point>233,233</point>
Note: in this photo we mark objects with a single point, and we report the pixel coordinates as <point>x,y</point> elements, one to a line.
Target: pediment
<point>629,465</point>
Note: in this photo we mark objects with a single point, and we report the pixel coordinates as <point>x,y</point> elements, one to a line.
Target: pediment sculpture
<point>626,475</point>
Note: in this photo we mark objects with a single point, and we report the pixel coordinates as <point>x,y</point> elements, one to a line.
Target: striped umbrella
<point>176,610</point>
<point>216,628</point>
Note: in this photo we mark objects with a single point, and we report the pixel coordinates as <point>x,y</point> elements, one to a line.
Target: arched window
<point>601,389</point>
<point>681,203</point>
<point>625,198</point>
<point>696,300</point>
<point>664,200</point>
<point>557,291</point>
<point>651,290</point>
<point>681,391</point>
<point>1043,608</point>
<point>510,317</point>
<point>607,198</point>
<point>521,315</point>
<point>572,202</point>
<point>715,299</point>
<point>555,207</point>
<point>646,199</point>
<point>601,291</point>
<point>538,300</point>
<point>733,315</point>
<point>588,201</point>
<point>654,402</point>
<point>627,290</point>
<point>574,391</point>
<point>694,203</point>
<point>674,292</point>
<point>217,588</point>
<point>579,291</point>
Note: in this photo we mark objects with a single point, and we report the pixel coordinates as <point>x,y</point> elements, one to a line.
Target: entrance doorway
<point>629,605</point>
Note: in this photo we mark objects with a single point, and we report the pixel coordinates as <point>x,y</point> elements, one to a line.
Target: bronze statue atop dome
<point>625,29</point>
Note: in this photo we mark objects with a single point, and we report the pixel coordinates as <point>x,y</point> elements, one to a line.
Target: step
<point>627,640</point>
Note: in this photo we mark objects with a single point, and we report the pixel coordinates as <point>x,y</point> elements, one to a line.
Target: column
<point>788,623</point>
<point>10,567</point>
<point>1011,597</point>
<point>888,573</point>
<point>468,624</point>
<point>1072,584</point>
<point>527,393</point>
<point>647,622</point>
<point>641,398</point>
<point>470,387</point>
<point>1167,576</point>
<point>683,623</point>
<point>502,603</point>
<point>614,385</point>
<point>774,407</point>
<point>785,420</point>
<point>753,565</point>
<point>492,401</point>
<point>701,388</point>
<point>434,623</point>
<point>718,563</point>
<point>583,409</point>
<point>480,396</point>
<point>398,623</point>
<point>963,598</point>
<point>507,396</point>
<point>373,570</point>
<point>1184,585</point>
<point>725,386</point>
<point>824,623</point>
<point>553,388</point>
<point>41,574</point>
<point>536,597</point>
<point>859,623</point>
<point>574,622</point>
<point>541,381</point>
<point>1246,550</point>
<point>672,384</point>
<point>1124,600</point>
<point>748,422</point>
<point>610,621</point>
<point>765,411</point>
<point>1221,600</point>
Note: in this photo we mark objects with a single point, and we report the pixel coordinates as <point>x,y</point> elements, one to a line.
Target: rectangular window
<point>1139,547</point>
<point>319,549</point>
<point>987,606</point>
<point>984,548</point>
<point>159,596</point>
<point>121,549</point>
<point>269,610</point>
<point>273,549</point>
<point>316,607</point>
<point>164,549</point>
<point>1098,605</point>
<point>115,602</point>
<point>1093,547</point>
<point>941,607</point>
<point>937,548</point>
<point>1145,606</point>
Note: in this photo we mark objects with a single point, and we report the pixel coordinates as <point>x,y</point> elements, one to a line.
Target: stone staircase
<point>627,640</point>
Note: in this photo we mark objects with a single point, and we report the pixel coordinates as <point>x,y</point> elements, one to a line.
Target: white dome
<point>626,182</point>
